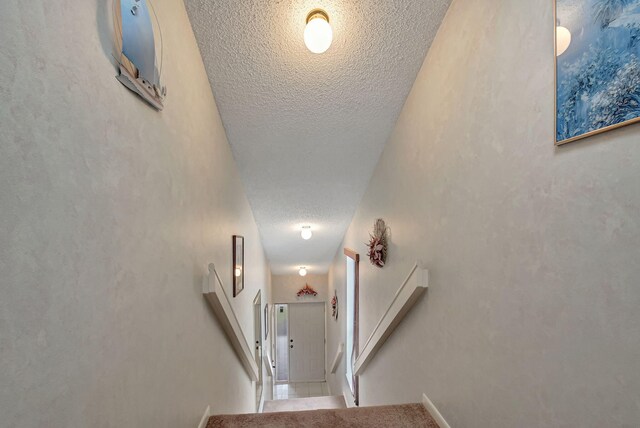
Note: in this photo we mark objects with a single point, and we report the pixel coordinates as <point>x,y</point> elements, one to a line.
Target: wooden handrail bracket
<point>214,293</point>
<point>407,295</point>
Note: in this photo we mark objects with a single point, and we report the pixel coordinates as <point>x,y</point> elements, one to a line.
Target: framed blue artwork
<point>597,66</point>
<point>136,47</point>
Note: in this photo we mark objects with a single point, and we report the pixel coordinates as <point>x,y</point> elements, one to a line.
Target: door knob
<point>291,346</point>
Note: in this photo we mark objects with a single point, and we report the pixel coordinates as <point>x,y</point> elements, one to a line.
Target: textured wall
<point>285,288</point>
<point>109,214</point>
<point>531,319</point>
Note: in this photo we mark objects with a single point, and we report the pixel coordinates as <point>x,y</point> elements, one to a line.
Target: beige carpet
<point>299,404</point>
<point>400,416</point>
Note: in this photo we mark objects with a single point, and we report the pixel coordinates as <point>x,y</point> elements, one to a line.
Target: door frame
<point>324,327</point>
<point>259,343</point>
<point>356,316</point>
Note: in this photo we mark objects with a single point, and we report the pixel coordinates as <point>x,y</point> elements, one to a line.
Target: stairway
<point>402,415</point>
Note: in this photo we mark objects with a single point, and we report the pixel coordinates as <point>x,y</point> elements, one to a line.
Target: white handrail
<point>338,358</point>
<point>214,292</point>
<point>269,364</point>
<point>407,295</point>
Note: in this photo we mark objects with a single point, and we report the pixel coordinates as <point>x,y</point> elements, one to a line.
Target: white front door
<point>306,342</point>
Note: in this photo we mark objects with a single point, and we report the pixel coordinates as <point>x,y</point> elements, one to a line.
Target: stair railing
<point>407,295</point>
<point>213,291</point>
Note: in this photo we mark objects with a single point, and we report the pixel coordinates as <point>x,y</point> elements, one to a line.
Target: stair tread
<point>305,404</point>
<point>401,415</point>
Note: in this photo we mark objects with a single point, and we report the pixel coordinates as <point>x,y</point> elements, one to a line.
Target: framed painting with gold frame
<point>597,67</point>
<point>238,264</point>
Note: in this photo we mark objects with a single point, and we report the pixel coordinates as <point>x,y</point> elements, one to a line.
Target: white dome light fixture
<point>306,233</point>
<point>303,271</point>
<point>563,39</point>
<point>318,34</point>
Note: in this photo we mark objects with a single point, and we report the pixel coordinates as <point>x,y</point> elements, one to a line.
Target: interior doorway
<point>300,342</point>
<point>257,334</point>
<point>352,346</point>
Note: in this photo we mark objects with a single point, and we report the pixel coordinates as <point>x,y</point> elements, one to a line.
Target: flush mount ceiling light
<point>306,233</point>
<point>563,39</point>
<point>303,271</point>
<point>318,34</point>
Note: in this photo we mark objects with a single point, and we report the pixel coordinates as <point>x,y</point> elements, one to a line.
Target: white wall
<point>109,214</point>
<point>531,318</point>
<point>285,287</point>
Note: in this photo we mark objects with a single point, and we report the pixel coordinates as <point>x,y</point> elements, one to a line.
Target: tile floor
<point>285,391</point>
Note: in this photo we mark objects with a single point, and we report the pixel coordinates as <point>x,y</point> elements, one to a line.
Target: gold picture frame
<point>238,264</point>
<point>556,89</point>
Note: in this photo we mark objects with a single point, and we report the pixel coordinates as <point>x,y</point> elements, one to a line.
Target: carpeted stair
<point>403,415</point>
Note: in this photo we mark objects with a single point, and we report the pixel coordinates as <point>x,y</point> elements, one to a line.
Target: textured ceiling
<point>307,130</point>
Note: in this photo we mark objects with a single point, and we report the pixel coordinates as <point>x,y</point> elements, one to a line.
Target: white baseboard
<point>435,414</point>
<point>205,418</point>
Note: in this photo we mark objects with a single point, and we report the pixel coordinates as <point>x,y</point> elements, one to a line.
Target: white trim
<point>348,400</point>
<point>326,341</point>
<point>205,418</point>
<point>435,414</point>
<point>213,291</point>
<point>338,358</point>
<point>267,362</point>
<point>407,295</point>
<point>324,345</point>
<point>257,301</point>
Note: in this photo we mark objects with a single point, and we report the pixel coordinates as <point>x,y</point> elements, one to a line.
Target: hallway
<point>377,202</point>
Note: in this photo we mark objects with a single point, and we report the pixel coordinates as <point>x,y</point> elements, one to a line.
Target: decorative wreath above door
<point>307,290</point>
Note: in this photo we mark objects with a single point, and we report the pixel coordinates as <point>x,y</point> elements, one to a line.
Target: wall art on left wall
<point>136,50</point>
<point>238,264</point>
<point>597,66</point>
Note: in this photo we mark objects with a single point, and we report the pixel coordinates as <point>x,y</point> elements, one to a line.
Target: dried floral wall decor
<point>307,290</point>
<point>378,244</point>
<point>334,305</point>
